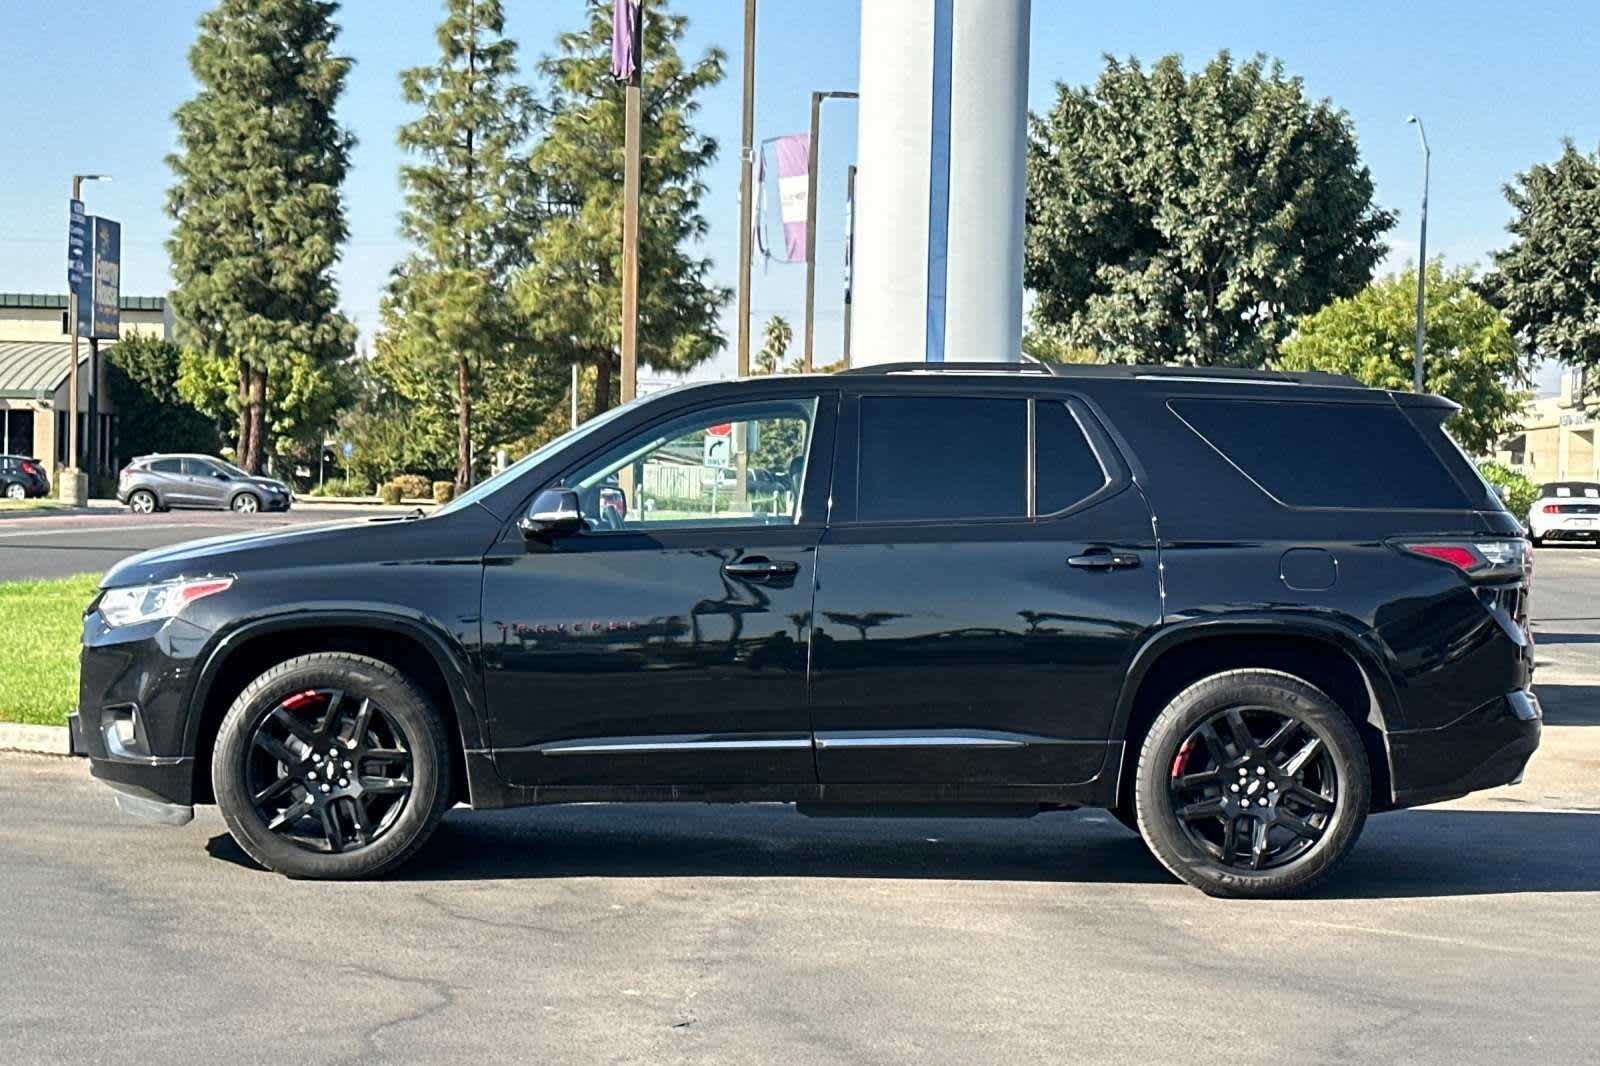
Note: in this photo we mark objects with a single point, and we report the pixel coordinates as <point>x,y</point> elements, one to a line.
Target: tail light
<point>1551,508</point>
<point>1482,560</point>
<point>29,468</point>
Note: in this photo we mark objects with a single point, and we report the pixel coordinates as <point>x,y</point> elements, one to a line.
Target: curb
<point>37,739</point>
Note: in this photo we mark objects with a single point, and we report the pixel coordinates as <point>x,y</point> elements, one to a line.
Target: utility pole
<point>630,216</point>
<point>1422,255</point>
<point>575,381</point>
<point>811,219</point>
<point>849,254</point>
<point>746,166</point>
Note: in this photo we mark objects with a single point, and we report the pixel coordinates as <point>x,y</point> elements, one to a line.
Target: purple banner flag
<point>794,158</point>
<point>624,38</point>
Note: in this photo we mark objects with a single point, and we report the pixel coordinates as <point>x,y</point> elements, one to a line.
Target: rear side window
<point>1066,469</point>
<point>166,466</point>
<point>1327,454</point>
<point>925,458</point>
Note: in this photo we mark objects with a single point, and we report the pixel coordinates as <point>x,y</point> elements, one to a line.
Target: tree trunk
<point>256,412</point>
<point>245,425</point>
<point>602,383</point>
<point>463,427</point>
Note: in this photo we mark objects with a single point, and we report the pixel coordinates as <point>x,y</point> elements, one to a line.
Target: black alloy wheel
<point>329,773</point>
<point>1252,783</point>
<point>1254,787</point>
<point>332,765</point>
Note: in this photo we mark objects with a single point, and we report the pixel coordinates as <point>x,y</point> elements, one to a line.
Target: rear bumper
<point>1484,748</point>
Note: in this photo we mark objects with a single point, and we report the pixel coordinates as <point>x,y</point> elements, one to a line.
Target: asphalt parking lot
<point>1465,932</point>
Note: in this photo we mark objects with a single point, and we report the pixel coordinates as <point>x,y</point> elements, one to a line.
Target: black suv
<point>1240,610</point>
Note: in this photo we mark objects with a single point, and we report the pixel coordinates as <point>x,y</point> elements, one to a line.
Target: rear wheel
<point>142,501</point>
<point>1252,783</point>
<point>331,766</point>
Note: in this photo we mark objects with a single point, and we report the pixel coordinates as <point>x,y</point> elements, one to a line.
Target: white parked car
<point>1566,510</point>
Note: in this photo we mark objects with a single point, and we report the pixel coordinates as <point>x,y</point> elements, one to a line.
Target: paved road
<point>56,545</point>
<point>1467,932</point>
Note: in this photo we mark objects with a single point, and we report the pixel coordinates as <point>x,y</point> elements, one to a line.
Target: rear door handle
<point>1098,557</point>
<point>761,569</point>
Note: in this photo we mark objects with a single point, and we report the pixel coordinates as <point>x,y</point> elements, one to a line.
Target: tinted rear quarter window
<point>1066,469</point>
<point>925,458</point>
<point>166,466</point>
<point>1314,454</point>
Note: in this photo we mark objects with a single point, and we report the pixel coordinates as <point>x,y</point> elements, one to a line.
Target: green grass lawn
<point>38,503</point>
<point>42,622</point>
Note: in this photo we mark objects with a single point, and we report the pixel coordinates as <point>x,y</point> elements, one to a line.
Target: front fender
<point>453,660</point>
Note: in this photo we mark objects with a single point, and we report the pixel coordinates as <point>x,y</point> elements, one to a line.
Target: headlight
<point>148,603</point>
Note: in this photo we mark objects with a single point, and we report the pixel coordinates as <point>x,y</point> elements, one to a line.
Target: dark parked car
<point>23,477</point>
<point>161,482</point>
<point>1241,610</point>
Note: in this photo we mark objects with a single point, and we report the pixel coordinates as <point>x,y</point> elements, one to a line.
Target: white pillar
<point>942,131</point>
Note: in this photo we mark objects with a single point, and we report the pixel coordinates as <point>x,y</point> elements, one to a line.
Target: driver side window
<point>685,474</point>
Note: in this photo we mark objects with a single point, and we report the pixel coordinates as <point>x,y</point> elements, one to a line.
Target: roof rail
<point>1121,371</point>
<point>949,368</point>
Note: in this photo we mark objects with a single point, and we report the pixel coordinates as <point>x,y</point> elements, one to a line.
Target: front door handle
<point>759,569</point>
<point>1098,557</point>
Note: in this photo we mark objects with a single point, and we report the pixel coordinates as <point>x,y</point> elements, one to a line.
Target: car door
<point>170,483</point>
<point>988,574</point>
<point>667,643</point>
<point>208,485</point>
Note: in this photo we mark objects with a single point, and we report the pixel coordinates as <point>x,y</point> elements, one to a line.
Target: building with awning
<point>35,352</point>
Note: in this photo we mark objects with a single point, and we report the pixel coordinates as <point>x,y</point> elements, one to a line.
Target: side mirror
<point>553,513</point>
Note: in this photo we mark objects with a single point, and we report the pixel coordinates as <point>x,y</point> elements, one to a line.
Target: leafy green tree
<point>571,290</point>
<point>1047,344</point>
<point>1547,282</point>
<point>1190,218</point>
<point>1519,492</point>
<point>1470,355</point>
<point>259,219</point>
<point>453,344</point>
<point>142,378</point>
<point>776,337</point>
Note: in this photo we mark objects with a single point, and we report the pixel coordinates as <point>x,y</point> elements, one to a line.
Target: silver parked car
<point>161,482</point>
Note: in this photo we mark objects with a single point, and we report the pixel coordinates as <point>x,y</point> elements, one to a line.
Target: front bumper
<point>150,787</point>
<point>1485,748</point>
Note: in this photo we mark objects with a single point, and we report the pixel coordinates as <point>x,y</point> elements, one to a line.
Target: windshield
<point>486,488</point>
<point>229,468</point>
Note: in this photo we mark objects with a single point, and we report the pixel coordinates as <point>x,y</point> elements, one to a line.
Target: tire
<point>16,491</point>
<point>245,503</point>
<point>256,754</point>
<point>1538,542</point>
<point>143,501</point>
<point>1303,795</point>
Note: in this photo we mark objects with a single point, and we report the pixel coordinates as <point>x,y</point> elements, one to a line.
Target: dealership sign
<point>77,247</point>
<point>100,294</point>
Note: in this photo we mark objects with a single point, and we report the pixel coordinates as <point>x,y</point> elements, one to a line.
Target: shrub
<point>414,486</point>
<point>390,492</point>
<point>444,491</point>
<point>1520,492</point>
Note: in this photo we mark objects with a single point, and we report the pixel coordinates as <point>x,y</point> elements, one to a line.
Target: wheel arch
<point>1327,655</point>
<point>428,658</point>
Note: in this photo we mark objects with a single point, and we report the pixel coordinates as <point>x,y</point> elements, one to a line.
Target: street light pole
<point>73,487</point>
<point>811,218</point>
<point>1422,255</point>
<point>746,165</point>
<point>630,220</point>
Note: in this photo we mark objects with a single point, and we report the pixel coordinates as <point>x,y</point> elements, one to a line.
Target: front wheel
<point>331,766</point>
<point>1252,783</point>
<point>246,503</point>
<point>16,491</point>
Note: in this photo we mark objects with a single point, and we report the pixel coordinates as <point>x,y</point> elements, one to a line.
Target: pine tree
<point>451,342</point>
<point>259,220</point>
<point>571,291</point>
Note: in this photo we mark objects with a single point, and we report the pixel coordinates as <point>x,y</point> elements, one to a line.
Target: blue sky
<point>91,86</point>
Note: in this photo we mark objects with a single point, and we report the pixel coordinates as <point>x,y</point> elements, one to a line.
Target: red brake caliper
<point>299,699</point>
<point>1182,759</point>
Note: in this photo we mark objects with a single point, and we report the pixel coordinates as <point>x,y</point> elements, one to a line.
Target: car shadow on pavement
<point>1569,704</point>
<point>1420,853</point>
